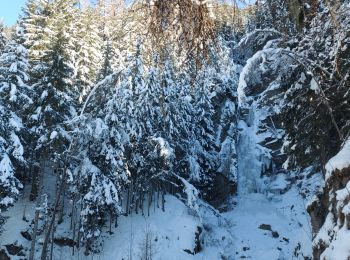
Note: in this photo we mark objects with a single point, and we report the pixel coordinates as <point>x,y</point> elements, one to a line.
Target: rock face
<point>252,43</point>
<point>225,123</point>
<point>267,75</point>
<point>330,210</point>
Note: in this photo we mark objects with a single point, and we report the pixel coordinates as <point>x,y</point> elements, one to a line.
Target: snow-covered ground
<point>170,232</point>
<point>267,229</point>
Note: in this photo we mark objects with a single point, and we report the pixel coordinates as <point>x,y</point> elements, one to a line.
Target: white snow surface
<point>172,232</point>
<point>340,161</point>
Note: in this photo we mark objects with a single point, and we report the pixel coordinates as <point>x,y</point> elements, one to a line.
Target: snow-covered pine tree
<point>14,101</point>
<point>100,198</point>
<point>13,74</point>
<point>87,50</point>
<point>98,175</point>
<point>315,122</point>
<point>36,21</point>
<point>142,117</point>
<point>108,58</point>
<point>2,37</point>
<point>57,97</point>
<point>11,155</point>
<point>108,27</point>
<point>204,150</point>
<point>277,14</point>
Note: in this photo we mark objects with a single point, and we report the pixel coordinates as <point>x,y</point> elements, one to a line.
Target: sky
<point>9,10</point>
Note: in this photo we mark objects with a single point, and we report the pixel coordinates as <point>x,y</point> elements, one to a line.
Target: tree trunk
<point>35,230</point>
<point>149,202</point>
<point>36,219</point>
<point>110,222</point>
<point>52,239</point>
<point>163,201</point>
<point>141,204</point>
<point>61,208</point>
<point>127,202</point>
<point>52,222</point>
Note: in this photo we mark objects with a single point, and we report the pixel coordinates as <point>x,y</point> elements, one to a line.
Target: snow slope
<point>171,232</point>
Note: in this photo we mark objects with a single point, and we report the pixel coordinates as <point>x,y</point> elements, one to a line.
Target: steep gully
<point>270,218</point>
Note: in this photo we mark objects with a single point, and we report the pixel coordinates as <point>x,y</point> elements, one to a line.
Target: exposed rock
<point>198,245</point>
<point>4,255</point>
<point>265,227</point>
<point>64,241</point>
<point>26,235</point>
<point>330,210</point>
<point>188,251</point>
<point>253,43</point>
<point>222,188</point>
<point>14,249</point>
<point>275,234</point>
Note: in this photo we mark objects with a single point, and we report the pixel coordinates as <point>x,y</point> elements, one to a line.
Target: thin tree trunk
<point>61,209</point>
<point>79,234</point>
<point>36,220</point>
<point>137,206</point>
<point>52,241</point>
<point>116,221</point>
<point>163,201</point>
<point>110,222</point>
<point>141,204</point>
<point>72,213</point>
<point>149,202</point>
<point>35,230</point>
<point>127,202</point>
<point>52,222</point>
<point>73,237</point>
<point>158,192</point>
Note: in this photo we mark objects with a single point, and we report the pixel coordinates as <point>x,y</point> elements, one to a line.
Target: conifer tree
<point>14,99</point>
<point>11,156</point>
<point>2,37</point>
<point>56,95</point>
<point>14,78</point>
<point>87,51</point>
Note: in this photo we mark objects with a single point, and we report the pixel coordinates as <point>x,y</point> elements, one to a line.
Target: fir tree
<point>11,155</point>
<point>2,38</point>
<point>14,101</point>
<point>13,69</point>
<point>87,51</point>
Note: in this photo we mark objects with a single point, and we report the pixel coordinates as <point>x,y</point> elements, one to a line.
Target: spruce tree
<point>14,78</point>
<point>14,102</point>
<point>56,95</point>
<point>11,156</point>
<point>2,38</point>
<point>87,51</point>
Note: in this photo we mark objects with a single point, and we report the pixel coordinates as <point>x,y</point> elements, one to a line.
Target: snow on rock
<point>333,235</point>
<point>340,249</point>
<point>53,135</point>
<point>339,161</point>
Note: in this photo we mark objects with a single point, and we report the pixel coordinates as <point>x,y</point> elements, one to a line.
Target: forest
<point>187,129</point>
